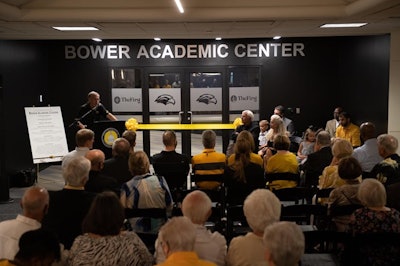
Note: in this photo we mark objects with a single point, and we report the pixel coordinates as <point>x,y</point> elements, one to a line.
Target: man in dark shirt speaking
<point>92,111</point>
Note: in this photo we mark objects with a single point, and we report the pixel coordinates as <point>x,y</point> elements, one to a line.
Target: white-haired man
<point>250,125</point>
<point>388,170</point>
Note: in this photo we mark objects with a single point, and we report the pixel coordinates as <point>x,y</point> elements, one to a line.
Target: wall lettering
<point>189,51</point>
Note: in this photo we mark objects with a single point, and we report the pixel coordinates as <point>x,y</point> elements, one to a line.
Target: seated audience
<point>209,162</point>
<point>130,136</point>
<point>284,243</point>
<point>249,125</point>
<point>173,166</point>
<point>393,196</point>
<point>375,217</point>
<point>332,124</point>
<point>306,146</point>
<point>367,154</point>
<point>283,161</point>
<point>276,128</point>
<point>209,246</point>
<point>347,130</point>
<point>103,241</point>
<point>318,160</point>
<point>261,208</point>
<point>388,170</point>
<point>349,170</point>
<point>177,239</point>
<point>34,204</point>
<point>262,141</point>
<point>117,166</point>
<point>98,182</point>
<point>69,206</point>
<point>341,148</point>
<point>84,139</point>
<point>244,172</point>
<point>145,191</point>
<point>289,125</point>
<point>36,247</point>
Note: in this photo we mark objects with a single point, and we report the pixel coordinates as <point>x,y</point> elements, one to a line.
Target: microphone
<point>96,107</point>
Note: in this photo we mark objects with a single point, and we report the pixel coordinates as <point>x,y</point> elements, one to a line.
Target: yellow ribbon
<point>132,124</point>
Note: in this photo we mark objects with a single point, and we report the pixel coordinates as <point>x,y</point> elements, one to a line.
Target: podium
<point>105,132</point>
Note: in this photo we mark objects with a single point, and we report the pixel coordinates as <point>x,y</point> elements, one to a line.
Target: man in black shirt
<point>250,125</point>
<point>92,111</point>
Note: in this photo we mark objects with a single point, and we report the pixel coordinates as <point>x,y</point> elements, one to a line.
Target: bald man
<point>93,111</point>
<point>98,182</point>
<point>34,204</point>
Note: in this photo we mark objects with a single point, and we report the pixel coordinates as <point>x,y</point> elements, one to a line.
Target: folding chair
<point>297,195</point>
<point>305,214</point>
<point>236,223</point>
<point>176,175</point>
<point>148,238</point>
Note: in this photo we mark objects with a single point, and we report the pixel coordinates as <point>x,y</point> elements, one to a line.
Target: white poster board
<point>46,134</point>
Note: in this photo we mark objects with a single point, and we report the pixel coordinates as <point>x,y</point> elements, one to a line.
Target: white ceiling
<point>203,19</point>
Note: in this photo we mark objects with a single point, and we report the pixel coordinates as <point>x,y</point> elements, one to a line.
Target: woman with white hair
<point>177,238</point>
<point>277,127</point>
<point>210,246</point>
<point>375,217</point>
<point>285,243</point>
<point>261,209</point>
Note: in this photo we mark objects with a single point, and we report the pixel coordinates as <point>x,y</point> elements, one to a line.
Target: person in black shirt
<point>92,111</point>
<point>250,125</point>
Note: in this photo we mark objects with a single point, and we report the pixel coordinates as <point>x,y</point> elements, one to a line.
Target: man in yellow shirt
<point>347,130</point>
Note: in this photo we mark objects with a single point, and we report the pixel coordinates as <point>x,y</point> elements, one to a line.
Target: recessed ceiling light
<point>218,38</point>
<point>179,5</point>
<point>97,39</point>
<point>276,37</point>
<point>75,28</point>
<point>343,25</point>
<point>157,39</point>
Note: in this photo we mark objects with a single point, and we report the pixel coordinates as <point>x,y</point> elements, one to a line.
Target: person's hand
<point>80,125</point>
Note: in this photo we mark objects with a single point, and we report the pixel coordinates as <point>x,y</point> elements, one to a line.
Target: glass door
<point>206,90</point>
<point>165,105</point>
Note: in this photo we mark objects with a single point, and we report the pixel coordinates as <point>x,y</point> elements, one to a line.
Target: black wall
<point>352,72</point>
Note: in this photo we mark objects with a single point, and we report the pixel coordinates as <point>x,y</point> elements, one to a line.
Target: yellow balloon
<point>131,124</point>
<point>237,122</point>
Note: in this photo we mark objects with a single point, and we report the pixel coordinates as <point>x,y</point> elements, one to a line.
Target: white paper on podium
<point>46,134</point>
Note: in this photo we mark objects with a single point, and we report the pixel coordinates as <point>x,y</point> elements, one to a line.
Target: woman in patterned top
<point>375,217</point>
<point>104,242</point>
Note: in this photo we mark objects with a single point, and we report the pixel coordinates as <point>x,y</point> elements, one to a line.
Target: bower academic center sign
<point>187,51</point>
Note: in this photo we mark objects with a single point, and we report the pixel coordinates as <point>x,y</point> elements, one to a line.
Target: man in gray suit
<point>332,124</point>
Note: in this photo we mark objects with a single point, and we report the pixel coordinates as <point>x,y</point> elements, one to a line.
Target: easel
<point>46,135</point>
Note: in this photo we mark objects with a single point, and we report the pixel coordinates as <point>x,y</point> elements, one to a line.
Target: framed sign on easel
<point>46,134</point>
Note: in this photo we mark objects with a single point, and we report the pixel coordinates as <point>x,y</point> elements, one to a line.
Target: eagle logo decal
<point>165,99</point>
<point>207,99</point>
